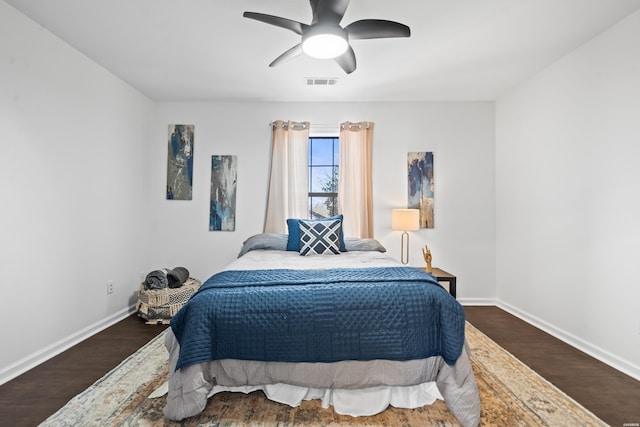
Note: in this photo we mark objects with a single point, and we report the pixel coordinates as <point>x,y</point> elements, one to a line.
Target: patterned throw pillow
<point>320,237</point>
<point>293,227</point>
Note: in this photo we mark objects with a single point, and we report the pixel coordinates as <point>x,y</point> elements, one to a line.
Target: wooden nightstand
<point>443,276</point>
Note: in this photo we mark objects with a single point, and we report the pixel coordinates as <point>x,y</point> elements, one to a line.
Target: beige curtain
<point>355,195</point>
<point>289,177</point>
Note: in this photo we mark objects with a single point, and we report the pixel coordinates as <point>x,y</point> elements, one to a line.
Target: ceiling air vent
<point>321,81</point>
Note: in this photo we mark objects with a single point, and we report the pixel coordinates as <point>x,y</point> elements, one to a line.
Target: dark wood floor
<point>33,396</point>
<point>614,397</point>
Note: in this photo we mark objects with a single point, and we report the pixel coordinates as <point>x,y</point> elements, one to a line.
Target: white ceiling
<point>197,50</point>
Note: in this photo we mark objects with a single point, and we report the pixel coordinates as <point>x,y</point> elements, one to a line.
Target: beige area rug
<point>511,394</point>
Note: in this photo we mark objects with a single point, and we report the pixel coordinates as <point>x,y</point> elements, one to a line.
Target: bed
<point>357,330</point>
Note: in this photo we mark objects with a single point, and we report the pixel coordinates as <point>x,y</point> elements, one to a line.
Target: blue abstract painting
<point>180,162</point>
<point>420,186</point>
<point>224,175</point>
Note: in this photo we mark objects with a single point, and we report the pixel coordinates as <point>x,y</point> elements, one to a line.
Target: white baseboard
<point>596,352</point>
<point>46,353</point>
<point>477,301</point>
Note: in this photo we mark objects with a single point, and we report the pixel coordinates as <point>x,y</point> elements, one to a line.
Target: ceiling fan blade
<point>376,29</point>
<point>291,53</point>
<point>329,11</point>
<point>347,61</point>
<point>314,11</point>
<point>289,24</point>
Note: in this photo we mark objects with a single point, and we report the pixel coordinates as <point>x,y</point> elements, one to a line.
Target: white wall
<point>461,135</point>
<point>73,185</point>
<point>567,175</point>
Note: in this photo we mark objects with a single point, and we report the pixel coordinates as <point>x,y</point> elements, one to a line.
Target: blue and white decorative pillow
<point>320,237</point>
<point>293,226</point>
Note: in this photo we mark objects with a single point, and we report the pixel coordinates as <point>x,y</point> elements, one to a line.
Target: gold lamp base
<point>404,255</point>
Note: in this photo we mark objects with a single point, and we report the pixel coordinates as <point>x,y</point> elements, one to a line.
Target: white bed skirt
<point>356,403</point>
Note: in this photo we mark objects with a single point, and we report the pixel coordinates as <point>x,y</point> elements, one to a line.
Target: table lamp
<point>405,220</point>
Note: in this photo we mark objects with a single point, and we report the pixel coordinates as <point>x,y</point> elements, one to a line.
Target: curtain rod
<point>325,125</point>
<point>303,125</point>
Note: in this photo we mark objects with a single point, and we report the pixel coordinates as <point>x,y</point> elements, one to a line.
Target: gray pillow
<point>272,241</point>
<point>355,244</point>
<point>278,242</point>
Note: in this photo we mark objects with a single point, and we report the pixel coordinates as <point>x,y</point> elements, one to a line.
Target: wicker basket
<point>160,305</point>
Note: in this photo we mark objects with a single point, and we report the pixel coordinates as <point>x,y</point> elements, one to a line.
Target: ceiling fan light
<point>324,45</point>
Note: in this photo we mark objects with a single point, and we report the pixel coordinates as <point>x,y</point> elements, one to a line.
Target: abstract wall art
<point>224,175</point>
<point>180,162</point>
<point>420,186</point>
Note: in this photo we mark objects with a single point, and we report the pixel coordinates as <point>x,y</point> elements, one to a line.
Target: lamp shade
<point>405,219</point>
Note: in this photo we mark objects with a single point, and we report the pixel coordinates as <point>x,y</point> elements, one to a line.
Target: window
<point>323,176</point>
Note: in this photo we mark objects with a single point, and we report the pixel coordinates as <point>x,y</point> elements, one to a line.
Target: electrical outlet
<point>110,287</point>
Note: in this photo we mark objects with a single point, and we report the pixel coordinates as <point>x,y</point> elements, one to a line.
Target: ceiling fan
<point>325,38</point>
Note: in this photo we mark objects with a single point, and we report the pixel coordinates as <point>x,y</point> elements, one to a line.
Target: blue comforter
<point>394,313</point>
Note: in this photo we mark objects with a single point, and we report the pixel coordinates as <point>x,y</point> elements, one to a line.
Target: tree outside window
<point>323,177</point>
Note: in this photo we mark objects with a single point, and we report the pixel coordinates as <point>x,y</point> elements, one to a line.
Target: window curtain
<point>355,195</point>
<point>289,176</point>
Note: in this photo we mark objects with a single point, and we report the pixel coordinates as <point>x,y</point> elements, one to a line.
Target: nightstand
<point>443,276</point>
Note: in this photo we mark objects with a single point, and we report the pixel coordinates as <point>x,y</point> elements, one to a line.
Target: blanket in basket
<point>162,304</point>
